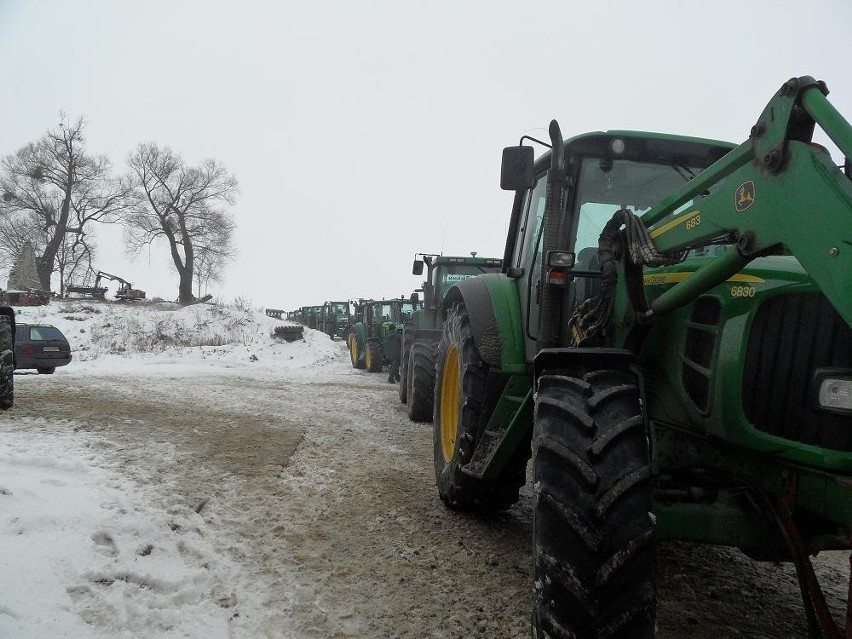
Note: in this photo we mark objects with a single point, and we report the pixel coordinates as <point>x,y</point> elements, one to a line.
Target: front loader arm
<point>777,192</point>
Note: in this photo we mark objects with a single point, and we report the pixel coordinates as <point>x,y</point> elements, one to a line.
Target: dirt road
<point>321,491</point>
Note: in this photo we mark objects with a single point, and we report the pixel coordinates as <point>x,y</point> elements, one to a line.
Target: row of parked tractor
<point>670,346</point>
<point>370,326</point>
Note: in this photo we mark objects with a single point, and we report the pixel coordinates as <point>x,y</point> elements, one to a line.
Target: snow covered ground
<point>188,475</point>
<point>86,551</point>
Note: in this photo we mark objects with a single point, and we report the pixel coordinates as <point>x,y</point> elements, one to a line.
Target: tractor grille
<point>792,336</point>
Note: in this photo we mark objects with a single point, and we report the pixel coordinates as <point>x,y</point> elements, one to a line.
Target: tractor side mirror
<point>516,171</point>
<point>417,269</point>
<point>415,298</point>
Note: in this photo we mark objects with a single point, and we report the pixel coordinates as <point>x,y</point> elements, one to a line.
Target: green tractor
<point>333,319</point>
<point>7,356</point>
<point>422,332</point>
<point>355,338</point>
<point>312,316</point>
<point>671,338</point>
<point>375,320</point>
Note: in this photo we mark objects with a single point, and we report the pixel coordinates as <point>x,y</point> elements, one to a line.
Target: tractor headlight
<point>834,390</point>
<point>560,259</point>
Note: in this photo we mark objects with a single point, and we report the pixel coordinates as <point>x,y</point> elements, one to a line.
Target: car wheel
<point>45,371</point>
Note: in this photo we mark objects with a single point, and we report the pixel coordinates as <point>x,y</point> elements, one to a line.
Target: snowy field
<point>86,551</point>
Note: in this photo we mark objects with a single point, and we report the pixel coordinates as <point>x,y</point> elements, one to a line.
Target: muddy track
<point>321,490</point>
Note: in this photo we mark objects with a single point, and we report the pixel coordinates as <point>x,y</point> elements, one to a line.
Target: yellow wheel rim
<point>368,357</point>
<point>450,403</point>
<point>353,348</point>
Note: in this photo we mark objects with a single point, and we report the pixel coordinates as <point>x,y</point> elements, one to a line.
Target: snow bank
<point>136,336</point>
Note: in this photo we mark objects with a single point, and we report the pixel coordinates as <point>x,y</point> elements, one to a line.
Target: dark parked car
<point>40,346</point>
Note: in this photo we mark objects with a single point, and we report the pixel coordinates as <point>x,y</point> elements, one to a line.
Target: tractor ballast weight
<point>422,331</point>
<point>672,334</point>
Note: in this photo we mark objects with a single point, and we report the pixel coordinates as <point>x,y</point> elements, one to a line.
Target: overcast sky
<point>363,132</point>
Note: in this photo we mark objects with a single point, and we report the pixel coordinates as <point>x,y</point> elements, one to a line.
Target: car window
<point>44,333</point>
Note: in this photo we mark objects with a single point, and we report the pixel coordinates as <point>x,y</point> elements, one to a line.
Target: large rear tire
<point>460,383</point>
<point>593,533</point>
<point>7,380</point>
<point>373,356</point>
<point>421,383</point>
<point>407,342</point>
<point>356,350</point>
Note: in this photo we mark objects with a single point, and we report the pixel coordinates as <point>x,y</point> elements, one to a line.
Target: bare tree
<point>183,205</point>
<point>54,186</point>
<point>74,261</point>
<point>210,265</point>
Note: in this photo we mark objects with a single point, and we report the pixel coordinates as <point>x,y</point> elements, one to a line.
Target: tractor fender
<point>549,359</point>
<point>494,310</point>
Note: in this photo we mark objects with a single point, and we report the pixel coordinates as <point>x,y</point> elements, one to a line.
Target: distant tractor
<point>309,315</point>
<point>422,331</point>
<point>354,337</point>
<point>374,322</point>
<point>334,319</point>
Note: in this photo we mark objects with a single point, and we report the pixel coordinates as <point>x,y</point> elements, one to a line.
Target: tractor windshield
<point>448,274</point>
<point>605,186</point>
<point>341,310</point>
<point>381,313</point>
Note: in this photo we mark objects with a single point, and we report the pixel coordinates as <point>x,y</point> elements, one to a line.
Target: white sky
<point>362,132</point>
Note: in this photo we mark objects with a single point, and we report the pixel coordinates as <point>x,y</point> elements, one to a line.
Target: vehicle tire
<point>407,342</point>
<point>594,535</point>
<point>45,371</point>
<point>7,380</point>
<point>373,356</point>
<point>356,350</point>
<point>421,383</point>
<point>460,384</point>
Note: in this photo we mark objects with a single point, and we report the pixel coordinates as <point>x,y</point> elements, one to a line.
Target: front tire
<point>373,356</point>
<point>421,383</point>
<point>45,371</point>
<point>593,533</point>
<point>460,383</point>
<point>356,350</point>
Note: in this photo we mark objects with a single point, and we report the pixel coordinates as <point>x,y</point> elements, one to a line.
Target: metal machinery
<point>334,319</point>
<point>125,290</point>
<point>373,323</point>
<point>671,335</point>
<point>422,331</point>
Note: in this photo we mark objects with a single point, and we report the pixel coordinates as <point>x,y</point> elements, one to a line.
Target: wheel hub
<point>450,403</point>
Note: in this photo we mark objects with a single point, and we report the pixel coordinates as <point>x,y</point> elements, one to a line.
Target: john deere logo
<point>744,196</point>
